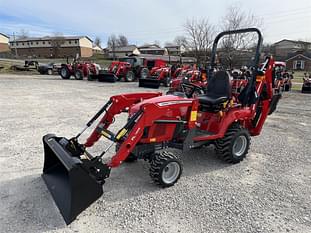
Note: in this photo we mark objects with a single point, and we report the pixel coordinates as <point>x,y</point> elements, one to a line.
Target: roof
<point>293,41</point>
<point>96,47</point>
<point>306,56</point>
<point>129,48</point>
<point>151,49</point>
<point>4,35</point>
<point>52,37</point>
<point>146,46</point>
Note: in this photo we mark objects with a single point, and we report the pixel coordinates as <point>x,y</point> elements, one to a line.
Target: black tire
<point>49,71</point>
<point>79,75</point>
<point>160,165</point>
<point>65,73</point>
<point>130,76</point>
<point>286,87</point>
<point>144,73</point>
<point>130,158</point>
<point>226,146</point>
<point>167,81</point>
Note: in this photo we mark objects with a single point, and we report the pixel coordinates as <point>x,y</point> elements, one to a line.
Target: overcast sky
<point>145,20</point>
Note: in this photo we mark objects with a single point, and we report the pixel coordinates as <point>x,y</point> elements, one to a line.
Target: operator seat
<point>218,90</point>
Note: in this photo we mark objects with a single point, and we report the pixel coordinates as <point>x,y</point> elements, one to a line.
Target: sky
<point>146,21</point>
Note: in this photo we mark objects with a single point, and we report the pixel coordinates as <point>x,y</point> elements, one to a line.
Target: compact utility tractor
<point>306,85</point>
<point>79,70</point>
<point>159,75</point>
<point>129,69</point>
<point>194,77</point>
<point>156,122</point>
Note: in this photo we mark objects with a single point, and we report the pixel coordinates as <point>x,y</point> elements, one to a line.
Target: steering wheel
<point>192,88</point>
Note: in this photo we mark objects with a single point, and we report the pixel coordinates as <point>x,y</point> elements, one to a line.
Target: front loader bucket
<point>69,182</point>
<point>107,77</point>
<point>149,83</point>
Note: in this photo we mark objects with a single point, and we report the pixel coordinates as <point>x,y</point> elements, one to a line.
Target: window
<point>43,42</point>
<point>299,65</point>
<point>31,43</point>
<point>76,41</point>
<point>49,42</point>
<point>70,42</point>
<point>37,42</point>
<point>16,43</point>
<point>23,43</point>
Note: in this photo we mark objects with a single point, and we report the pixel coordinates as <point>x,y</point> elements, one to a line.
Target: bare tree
<point>23,34</point>
<point>122,41</point>
<point>97,41</point>
<point>181,41</point>
<point>199,37</point>
<point>57,40</point>
<point>112,43</point>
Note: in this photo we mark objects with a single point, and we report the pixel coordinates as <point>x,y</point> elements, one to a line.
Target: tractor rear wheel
<point>233,147</point>
<point>78,75</point>
<point>130,76</point>
<point>167,81</point>
<point>65,73</point>
<point>165,168</point>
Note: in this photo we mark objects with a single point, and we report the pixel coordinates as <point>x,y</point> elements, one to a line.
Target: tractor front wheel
<point>130,76</point>
<point>167,81</point>
<point>78,75</point>
<point>65,73</point>
<point>165,169</point>
<point>233,147</point>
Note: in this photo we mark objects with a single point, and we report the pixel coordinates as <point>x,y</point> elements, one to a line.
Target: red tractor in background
<point>79,70</point>
<point>283,79</point>
<point>191,76</point>
<point>157,75</point>
<point>129,69</point>
<point>156,122</point>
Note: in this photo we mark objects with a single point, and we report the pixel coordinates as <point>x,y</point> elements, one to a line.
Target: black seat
<point>218,90</point>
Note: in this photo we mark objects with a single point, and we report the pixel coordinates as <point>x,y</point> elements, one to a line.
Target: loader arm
<point>119,104</point>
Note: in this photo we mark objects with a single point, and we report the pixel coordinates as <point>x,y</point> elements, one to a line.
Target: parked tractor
<point>129,69</point>
<point>79,70</point>
<point>306,85</point>
<point>189,76</point>
<point>155,123</point>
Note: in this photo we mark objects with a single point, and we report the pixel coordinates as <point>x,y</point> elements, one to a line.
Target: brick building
<point>299,61</point>
<point>282,49</point>
<point>46,47</point>
<point>4,43</point>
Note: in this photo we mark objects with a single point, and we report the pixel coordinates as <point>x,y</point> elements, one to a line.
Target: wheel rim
<point>64,72</point>
<point>239,146</point>
<point>130,77</point>
<point>49,72</point>
<point>170,172</point>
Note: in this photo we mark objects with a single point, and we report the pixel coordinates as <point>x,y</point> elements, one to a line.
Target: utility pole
<point>14,39</point>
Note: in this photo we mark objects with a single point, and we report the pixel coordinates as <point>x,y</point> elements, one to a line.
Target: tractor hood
<point>161,101</point>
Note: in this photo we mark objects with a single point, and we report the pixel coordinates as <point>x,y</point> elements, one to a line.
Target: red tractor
<point>156,122</point>
<point>79,70</point>
<point>157,75</point>
<point>306,85</point>
<point>189,76</point>
<point>129,69</point>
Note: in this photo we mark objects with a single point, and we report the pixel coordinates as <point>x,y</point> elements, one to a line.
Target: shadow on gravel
<point>27,206</point>
<point>132,179</point>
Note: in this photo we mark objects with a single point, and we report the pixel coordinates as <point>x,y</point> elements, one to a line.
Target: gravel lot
<point>270,191</point>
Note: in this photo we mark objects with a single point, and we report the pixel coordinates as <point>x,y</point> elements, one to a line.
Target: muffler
<point>74,183</point>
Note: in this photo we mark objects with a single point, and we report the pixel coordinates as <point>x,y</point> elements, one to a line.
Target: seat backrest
<point>219,85</point>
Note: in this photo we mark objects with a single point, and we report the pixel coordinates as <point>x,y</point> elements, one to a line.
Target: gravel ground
<point>270,191</point>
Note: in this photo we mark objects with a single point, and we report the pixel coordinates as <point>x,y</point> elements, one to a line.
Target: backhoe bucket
<point>149,83</point>
<point>107,77</point>
<point>68,179</point>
